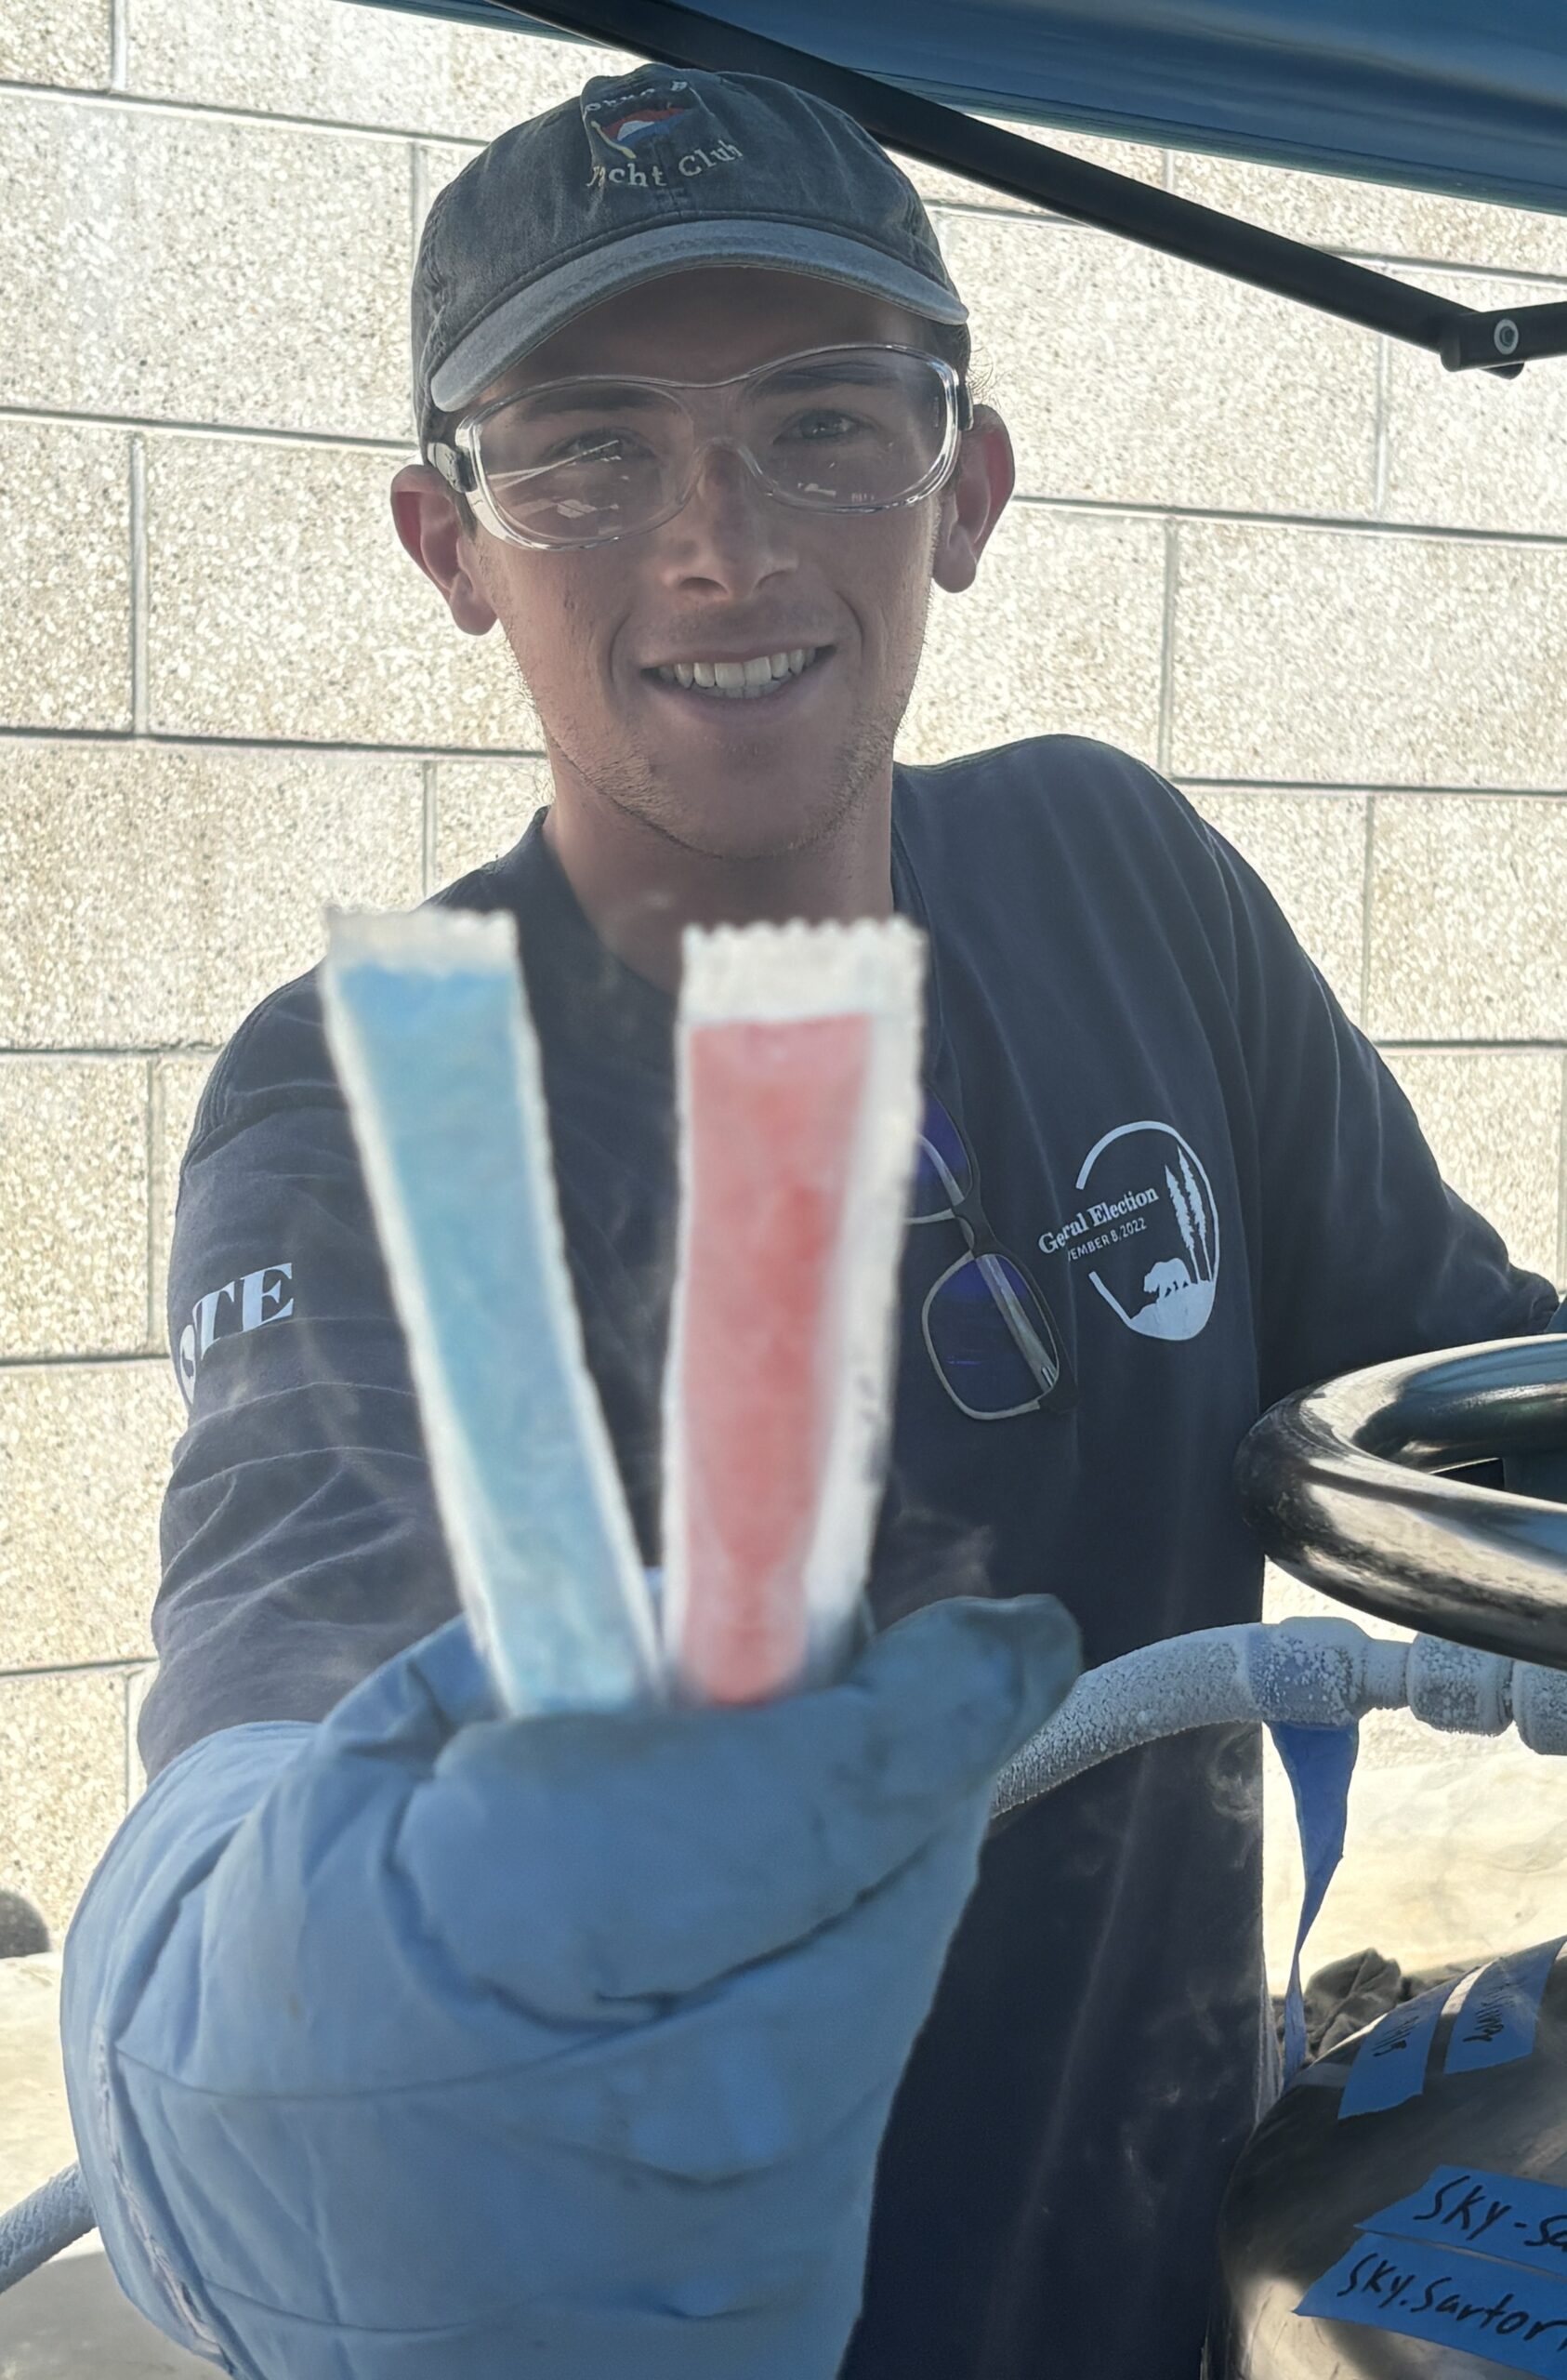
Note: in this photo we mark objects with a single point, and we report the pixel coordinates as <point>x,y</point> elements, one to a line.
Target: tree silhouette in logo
<point>1198,1214</point>
<point>1188,1204</point>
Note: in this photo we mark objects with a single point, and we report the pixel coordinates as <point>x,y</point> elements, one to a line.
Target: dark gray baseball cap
<point>646,174</point>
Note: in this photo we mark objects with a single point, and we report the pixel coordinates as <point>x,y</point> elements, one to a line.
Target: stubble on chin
<point>657,804</point>
<point>759,832</point>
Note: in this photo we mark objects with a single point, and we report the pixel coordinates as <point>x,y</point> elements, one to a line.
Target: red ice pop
<point>798,1071</point>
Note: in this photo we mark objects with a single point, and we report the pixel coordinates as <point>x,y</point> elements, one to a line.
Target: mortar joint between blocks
<point>1165,729</point>
<point>1380,431</point>
<point>431,824</point>
<point>418,196</point>
<point>154,1196</point>
<point>1368,872</point>
<point>141,582</point>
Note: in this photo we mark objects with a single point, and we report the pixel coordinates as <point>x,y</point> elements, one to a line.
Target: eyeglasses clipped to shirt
<point>995,1345</point>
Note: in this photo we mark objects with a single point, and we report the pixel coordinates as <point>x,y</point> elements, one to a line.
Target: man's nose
<point>729,532</point>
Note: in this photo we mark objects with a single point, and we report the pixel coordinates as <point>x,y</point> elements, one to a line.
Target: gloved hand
<point>556,2049</point>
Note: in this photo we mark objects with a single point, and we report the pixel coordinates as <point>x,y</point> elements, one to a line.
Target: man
<point>690,375</point>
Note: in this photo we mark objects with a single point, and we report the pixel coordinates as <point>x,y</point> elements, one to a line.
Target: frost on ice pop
<point>438,1062</point>
<point>798,1073</point>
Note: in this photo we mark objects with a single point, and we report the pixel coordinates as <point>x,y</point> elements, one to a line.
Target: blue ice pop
<point>436,1055</point>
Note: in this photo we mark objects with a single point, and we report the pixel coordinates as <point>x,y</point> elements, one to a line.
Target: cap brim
<point>512,329</point>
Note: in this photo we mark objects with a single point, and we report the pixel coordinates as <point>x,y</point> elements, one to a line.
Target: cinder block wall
<point>1320,583</point>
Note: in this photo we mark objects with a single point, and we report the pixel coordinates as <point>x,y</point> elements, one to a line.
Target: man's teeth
<point>738,681</point>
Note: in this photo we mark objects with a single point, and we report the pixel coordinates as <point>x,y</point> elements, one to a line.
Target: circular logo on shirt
<point>1147,1230</point>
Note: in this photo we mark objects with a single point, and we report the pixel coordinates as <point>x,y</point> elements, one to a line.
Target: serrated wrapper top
<point>872,967</point>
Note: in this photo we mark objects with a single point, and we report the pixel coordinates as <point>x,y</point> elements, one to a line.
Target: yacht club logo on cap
<point>625,117</point>
<point>632,119</point>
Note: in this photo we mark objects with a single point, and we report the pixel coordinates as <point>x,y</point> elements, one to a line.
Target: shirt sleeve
<point>1365,1253</point>
<point>300,1542</point>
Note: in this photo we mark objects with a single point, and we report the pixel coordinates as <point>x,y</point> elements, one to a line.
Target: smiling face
<point>611,641</point>
<point>809,625</point>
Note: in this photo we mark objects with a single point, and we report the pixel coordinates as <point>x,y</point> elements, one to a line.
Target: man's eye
<point>824,425</point>
<point>611,447</point>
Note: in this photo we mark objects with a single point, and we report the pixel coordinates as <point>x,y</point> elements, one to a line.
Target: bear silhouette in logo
<point>1164,1280</point>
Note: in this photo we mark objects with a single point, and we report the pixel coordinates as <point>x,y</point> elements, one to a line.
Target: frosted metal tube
<point>798,1085</point>
<point>1303,1672</point>
<point>44,2223</point>
<point>438,1059</point>
<point>1162,1689</point>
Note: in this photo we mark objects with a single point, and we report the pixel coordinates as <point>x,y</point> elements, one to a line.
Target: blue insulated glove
<point>426,2043</point>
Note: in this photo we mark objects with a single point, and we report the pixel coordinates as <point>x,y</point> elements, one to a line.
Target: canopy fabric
<point>1467,97</point>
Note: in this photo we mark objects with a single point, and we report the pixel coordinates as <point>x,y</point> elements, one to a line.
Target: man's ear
<point>973,500</point>
<point>428,524</point>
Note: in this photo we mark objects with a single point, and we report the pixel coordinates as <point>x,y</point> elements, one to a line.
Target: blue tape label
<point>1492,2215</point>
<point>1449,2298</point>
<point>1501,2010</point>
<point>1389,2065</point>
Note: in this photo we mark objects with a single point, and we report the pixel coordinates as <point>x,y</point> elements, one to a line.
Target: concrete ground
<point>68,2319</point>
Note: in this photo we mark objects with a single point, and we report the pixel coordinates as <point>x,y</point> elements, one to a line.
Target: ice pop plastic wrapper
<point>798,1073</point>
<point>438,1062</point>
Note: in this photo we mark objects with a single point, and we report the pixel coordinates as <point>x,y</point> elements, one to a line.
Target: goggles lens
<point>846,430</point>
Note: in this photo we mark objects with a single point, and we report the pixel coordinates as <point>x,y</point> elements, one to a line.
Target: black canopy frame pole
<point>1464,338</point>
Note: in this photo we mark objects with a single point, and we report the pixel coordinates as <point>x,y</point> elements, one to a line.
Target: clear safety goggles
<point>579,462</point>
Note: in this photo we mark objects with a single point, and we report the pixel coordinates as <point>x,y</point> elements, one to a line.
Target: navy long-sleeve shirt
<point>1222,1194</point>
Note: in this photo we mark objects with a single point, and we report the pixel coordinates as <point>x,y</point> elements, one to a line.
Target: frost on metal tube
<point>798,1085</point>
<point>438,1062</point>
